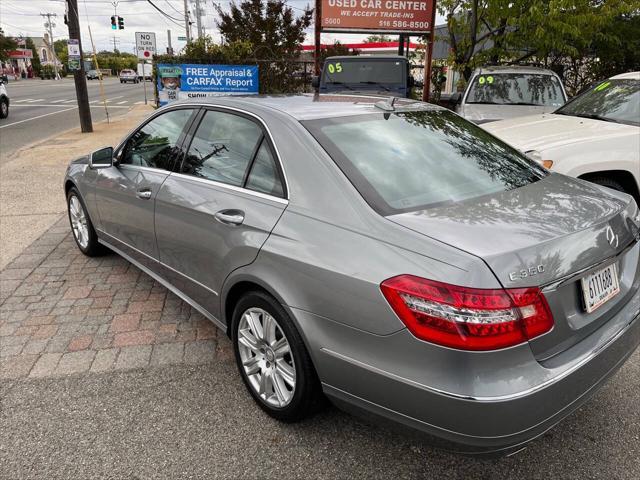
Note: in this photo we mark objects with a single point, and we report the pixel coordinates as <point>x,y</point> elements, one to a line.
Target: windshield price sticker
<point>385,15</point>
<point>335,67</point>
<point>602,86</point>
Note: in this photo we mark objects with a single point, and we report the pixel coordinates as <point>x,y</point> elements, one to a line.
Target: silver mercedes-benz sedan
<point>388,255</point>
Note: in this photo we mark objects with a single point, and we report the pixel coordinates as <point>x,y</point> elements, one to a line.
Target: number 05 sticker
<point>335,67</point>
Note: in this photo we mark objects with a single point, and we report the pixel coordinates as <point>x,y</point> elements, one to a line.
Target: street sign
<point>73,47</point>
<point>366,16</point>
<point>182,39</point>
<point>145,45</point>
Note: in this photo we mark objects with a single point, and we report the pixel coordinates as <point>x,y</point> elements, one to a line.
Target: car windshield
<point>363,72</point>
<point>516,89</point>
<point>411,161</point>
<point>611,100</point>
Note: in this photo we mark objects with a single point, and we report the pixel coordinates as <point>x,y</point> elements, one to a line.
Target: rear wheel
<point>273,360</point>
<point>4,108</point>
<point>83,232</point>
<point>610,183</point>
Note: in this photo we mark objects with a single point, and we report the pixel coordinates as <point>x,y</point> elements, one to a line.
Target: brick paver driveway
<point>64,313</point>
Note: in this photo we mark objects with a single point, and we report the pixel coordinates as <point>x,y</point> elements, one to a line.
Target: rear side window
<point>410,161</point>
<point>264,176</point>
<point>222,148</point>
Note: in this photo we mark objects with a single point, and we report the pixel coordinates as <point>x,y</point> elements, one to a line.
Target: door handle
<point>145,194</point>
<point>230,217</point>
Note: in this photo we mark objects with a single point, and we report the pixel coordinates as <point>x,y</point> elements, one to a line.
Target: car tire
<point>4,108</point>
<point>609,183</point>
<point>285,373</point>
<point>83,232</point>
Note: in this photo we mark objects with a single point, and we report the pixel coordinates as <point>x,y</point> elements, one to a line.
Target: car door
<point>125,193</point>
<point>215,214</point>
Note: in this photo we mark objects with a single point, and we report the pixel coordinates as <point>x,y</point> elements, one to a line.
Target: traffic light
<point>121,23</point>
<point>113,23</point>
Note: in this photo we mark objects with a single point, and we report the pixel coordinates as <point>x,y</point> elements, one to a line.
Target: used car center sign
<point>412,16</point>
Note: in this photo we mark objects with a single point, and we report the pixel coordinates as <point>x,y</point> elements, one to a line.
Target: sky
<point>22,17</point>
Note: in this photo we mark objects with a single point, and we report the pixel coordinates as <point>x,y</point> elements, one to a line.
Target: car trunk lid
<point>550,234</point>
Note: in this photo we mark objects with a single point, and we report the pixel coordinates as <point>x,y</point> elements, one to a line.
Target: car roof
<point>314,106</point>
<point>627,76</point>
<point>513,69</point>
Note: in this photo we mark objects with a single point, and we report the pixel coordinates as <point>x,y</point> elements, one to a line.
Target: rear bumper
<point>471,422</point>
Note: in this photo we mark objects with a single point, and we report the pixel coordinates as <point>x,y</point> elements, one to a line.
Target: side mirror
<point>315,81</point>
<point>456,98</point>
<point>102,158</point>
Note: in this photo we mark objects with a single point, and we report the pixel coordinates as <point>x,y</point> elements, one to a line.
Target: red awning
<point>364,46</point>
<point>18,54</point>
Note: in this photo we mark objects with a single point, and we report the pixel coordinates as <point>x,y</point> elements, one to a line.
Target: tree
<point>62,53</point>
<point>270,26</point>
<point>517,30</point>
<point>337,49</point>
<point>35,61</point>
<point>377,38</point>
<point>7,44</point>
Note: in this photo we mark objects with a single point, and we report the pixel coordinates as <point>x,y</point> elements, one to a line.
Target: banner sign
<point>73,49</point>
<point>183,81</point>
<point>389,16</point>
<point>20,54</point>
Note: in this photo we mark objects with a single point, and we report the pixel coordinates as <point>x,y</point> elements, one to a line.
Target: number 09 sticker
<point>335,67</point>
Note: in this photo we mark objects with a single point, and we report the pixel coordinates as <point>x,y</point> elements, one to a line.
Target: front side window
<point>516,89</point>
<point>222,148</point>
<point>403,162</point>
<point>155,144</point>
<point>611,100</point>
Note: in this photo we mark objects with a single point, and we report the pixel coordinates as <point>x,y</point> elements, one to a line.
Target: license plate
<point>599,287</point>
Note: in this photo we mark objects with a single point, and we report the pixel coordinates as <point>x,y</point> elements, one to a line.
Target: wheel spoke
<point>279,388</point>
<point>281,347</point>
<point>248,340</point>
<point>253,319</point>
<point>264,384</point>
<point>269,328</point>
<point>287,373</point>
<point>251,366</point>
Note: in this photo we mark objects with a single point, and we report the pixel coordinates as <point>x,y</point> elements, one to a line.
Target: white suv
<point>596,136</point>
<point>4,99</point>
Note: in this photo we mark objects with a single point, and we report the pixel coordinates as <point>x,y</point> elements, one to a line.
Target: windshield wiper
<point>529,104</point>
<point>594,116</point>
<point>369,82</point>
<point>344,85</point>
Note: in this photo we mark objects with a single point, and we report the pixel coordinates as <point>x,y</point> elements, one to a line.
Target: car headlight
<point>537,157</point>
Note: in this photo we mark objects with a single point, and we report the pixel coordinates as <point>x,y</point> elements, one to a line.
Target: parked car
<point>128,75</point>
<point>4,100</point>
<point>596,136</point>
<point>387,254</point>
<point>94,75</point>
<point>383,75</point>
<point>501,92</point>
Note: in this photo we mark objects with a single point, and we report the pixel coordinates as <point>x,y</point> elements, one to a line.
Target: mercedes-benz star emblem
<point>612,238</point>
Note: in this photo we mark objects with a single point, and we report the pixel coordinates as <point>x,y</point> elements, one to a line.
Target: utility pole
<point>49,24</point>
<point>79,76</point>
<point>115,40</point>
<point>199,18</point>
<point>169,47</point>
<point>186,22</point>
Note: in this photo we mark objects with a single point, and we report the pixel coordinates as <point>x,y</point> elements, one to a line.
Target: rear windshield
<point>363,71</point>
<point>611,100</point>
<point>411,161</point>
<point>516,89</point>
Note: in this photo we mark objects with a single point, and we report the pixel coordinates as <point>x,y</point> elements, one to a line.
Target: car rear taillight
<point>468,318</point>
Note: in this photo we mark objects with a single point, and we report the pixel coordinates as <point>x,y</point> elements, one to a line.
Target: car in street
<point>93,75</point>
<point>502,92</point>
<point>596,136</point>
<point>383,253</point>
<point>4,100</point>
<point>128,75</point>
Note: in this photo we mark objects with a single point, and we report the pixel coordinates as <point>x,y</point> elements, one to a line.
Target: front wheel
<point>273,360</point>
<point>83,232</point>
<point>4,108</point>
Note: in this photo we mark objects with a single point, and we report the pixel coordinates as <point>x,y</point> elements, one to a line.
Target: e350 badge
<point>529,272</point>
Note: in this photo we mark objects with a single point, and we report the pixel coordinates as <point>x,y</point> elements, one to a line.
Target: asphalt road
<point>41,108</point>
<point>199,422</point>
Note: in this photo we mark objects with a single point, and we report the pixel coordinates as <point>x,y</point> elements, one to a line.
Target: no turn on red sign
<point>145,45</point>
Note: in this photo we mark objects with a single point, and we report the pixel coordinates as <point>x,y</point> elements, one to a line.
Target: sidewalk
<point>31,196</point>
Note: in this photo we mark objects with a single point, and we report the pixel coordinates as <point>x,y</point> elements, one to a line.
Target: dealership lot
<point>107,374</point>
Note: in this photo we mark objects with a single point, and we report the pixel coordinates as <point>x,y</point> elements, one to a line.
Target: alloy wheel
<point>78,222</point>
<point>266,357</point>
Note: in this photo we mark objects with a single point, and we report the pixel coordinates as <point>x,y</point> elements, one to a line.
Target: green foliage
<point>35,61</point>
<point>548,31</point>
<point>208,51</point>
<point>47,72</point>
<point>116,61</point>
<point>337,49</point>
<point>271,26</point>
<point>377,38</point>
<point>7,44</point>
